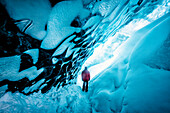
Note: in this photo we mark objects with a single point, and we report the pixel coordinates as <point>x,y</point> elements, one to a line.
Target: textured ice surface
<point>10,67</point>
<point>37,11</point>
<point>141,88</point>
<point>65,100</point>
<point>59,22</point>
<point>124,73</point>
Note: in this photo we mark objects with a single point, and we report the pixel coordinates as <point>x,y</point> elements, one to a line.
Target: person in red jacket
<point>85,77</point>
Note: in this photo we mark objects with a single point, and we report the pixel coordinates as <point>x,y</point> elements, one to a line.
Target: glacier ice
<point>144,87</point>
<point>33,10</point>
<point>125,44</point>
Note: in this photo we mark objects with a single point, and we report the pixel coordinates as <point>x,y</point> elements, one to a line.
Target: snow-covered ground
<point>69,99</point>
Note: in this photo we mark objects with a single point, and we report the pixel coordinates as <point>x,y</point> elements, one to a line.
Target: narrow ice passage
<point>124,43</point>
<point>134,87</point>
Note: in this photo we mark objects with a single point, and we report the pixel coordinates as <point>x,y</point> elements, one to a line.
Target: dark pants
<point>85,86</point>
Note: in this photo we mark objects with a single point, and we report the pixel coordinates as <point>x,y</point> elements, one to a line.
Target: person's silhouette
<point>85,77</point>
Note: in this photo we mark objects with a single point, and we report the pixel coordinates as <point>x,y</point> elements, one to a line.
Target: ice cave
<point>45,45</point>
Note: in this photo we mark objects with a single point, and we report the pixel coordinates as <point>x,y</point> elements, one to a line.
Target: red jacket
<point>85,75</point>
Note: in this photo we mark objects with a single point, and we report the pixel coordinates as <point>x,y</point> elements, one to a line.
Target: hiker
<point>85,77</point>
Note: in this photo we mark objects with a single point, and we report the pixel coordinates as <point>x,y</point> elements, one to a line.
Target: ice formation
<point>124,43</point>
